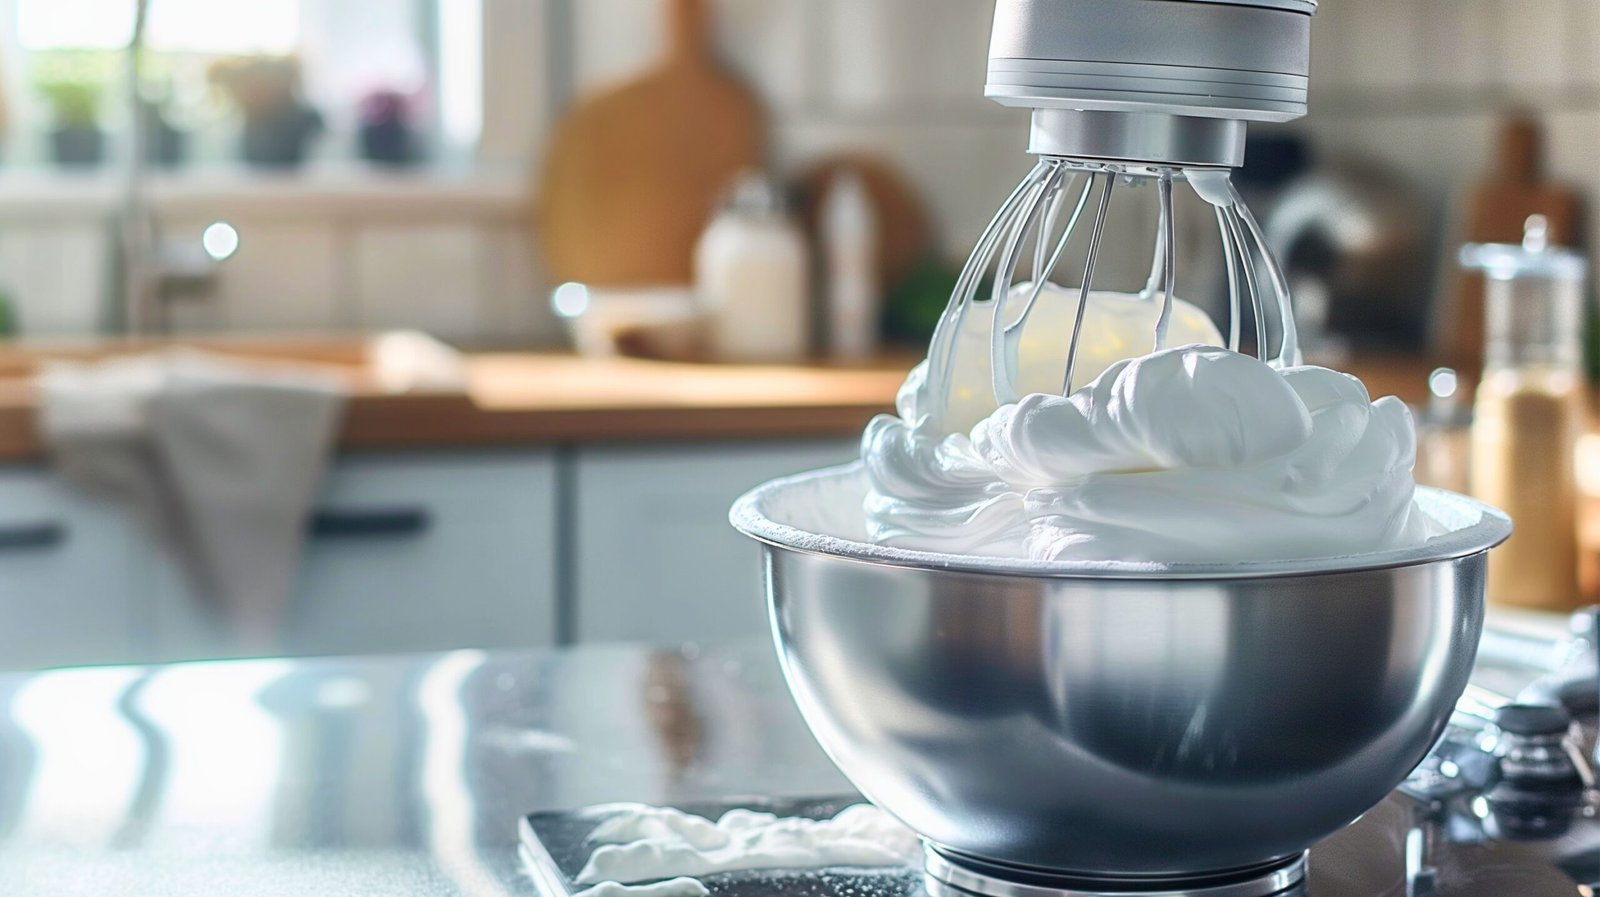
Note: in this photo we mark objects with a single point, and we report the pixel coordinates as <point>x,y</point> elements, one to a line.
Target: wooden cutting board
<point>635,171</point>
<point>1497,210</point>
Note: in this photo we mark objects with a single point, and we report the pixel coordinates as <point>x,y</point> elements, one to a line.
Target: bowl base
<point>948,875</point>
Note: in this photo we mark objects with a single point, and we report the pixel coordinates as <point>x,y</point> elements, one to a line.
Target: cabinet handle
<point>369,523</point>
<point>32,536</point>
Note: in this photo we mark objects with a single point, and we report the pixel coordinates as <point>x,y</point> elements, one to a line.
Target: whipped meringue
<point>1193,454</point>
<point>1115,326</point>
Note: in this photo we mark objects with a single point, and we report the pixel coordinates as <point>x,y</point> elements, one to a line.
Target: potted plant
<point>386,133</point>
<point>72,85</point>
<point>278,122</point>
<point>165,144</point>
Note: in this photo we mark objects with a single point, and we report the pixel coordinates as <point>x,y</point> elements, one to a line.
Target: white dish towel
<point>222,462</point>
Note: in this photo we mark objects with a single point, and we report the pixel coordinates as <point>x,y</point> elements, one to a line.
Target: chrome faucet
<point>151,270</point>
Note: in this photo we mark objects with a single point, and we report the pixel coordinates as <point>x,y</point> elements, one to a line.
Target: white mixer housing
<point>1161,81</point>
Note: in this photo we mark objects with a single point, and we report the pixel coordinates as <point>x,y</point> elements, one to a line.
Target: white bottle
<point>850,247</point>
<point>751,278</point>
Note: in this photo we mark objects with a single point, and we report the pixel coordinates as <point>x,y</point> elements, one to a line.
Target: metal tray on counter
<point>554,848</point>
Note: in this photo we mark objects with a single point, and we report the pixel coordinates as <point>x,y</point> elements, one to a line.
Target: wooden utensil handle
<point>688,30</point>
<point>1521,150</point>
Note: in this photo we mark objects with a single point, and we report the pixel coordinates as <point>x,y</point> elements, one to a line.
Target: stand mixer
<point>1128,96</point>
<point>1078,729</point>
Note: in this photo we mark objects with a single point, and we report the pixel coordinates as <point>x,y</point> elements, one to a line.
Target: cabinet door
<point>69,589</point>
<point>657,560</point>
<point>429,552</point>
<point>413,552</point>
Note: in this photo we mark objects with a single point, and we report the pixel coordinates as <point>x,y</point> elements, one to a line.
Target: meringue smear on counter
<point>647,851</point>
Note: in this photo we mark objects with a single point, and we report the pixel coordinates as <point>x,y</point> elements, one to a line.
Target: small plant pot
<point>78,146</point>
<point>388,143</point>
<point>165,146</point>
<point>280,138</point>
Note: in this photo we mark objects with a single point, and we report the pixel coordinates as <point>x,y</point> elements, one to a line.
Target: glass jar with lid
<point>1529,412</point>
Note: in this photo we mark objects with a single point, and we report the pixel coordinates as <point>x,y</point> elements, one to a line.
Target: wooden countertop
<point>534,399</point>
<point>519,398</point>
<point>542,399</point>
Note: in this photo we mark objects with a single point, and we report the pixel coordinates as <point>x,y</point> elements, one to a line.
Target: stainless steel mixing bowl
<point>1115,722</point>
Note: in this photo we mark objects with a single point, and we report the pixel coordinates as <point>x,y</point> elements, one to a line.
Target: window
<point>188,26</point>
<point>424,55</point>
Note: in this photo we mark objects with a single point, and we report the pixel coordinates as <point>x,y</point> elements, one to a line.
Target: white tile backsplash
<point>1409,143</point>
<point>963,171</point>
<point>1583,43</point>
<point>1459,149</point>
<point>57,276</point>
<point>420,276</point>
<point>612,39</point>
<point>886,52</point>
<point>1381,39</point>
<point>1418,84</point>
<point>516,306</point>
<point>1571,142</point>
<point>1456,44</point>
<point>772,44</point>
<point>1437,122</point>
<point>1332,68</point>
<point>766,41</point>
<point>902,79</point>
<point>284,277</point>
<point>1532,45</point>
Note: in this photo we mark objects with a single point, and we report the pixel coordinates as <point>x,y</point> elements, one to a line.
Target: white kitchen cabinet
<point>409,552</point>
<point>426,552</point>
<point>72,590</point>
<point>421,551</point>
<point>656,559</point>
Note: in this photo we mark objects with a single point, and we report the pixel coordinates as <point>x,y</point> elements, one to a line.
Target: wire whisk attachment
<point>1019,268</point>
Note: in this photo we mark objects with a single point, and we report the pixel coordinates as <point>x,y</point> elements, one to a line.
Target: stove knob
<point>1539,789</point>
<point>1533,720</point>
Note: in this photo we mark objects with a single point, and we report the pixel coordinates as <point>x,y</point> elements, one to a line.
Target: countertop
<point>382,777</point>
<point>529,398</point>
<point>378,777</point>
<point>524,398</point>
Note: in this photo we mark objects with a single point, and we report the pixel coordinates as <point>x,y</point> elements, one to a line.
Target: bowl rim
<point>1492,527</point>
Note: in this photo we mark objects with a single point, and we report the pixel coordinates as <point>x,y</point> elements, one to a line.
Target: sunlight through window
<point>193,26</point>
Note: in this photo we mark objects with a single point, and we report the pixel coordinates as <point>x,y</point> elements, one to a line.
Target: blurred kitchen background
<point>421,207</point>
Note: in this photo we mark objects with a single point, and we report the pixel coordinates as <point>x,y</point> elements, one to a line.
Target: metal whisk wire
<point>1088,276</point>
<point>941,351</point>
<point>1033,213</point>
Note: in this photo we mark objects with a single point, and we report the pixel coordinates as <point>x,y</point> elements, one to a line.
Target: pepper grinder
<point>1529,413</point>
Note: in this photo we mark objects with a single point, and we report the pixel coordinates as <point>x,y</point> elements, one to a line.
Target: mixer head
<point>1128,95</point>
<point>1151,81</point>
